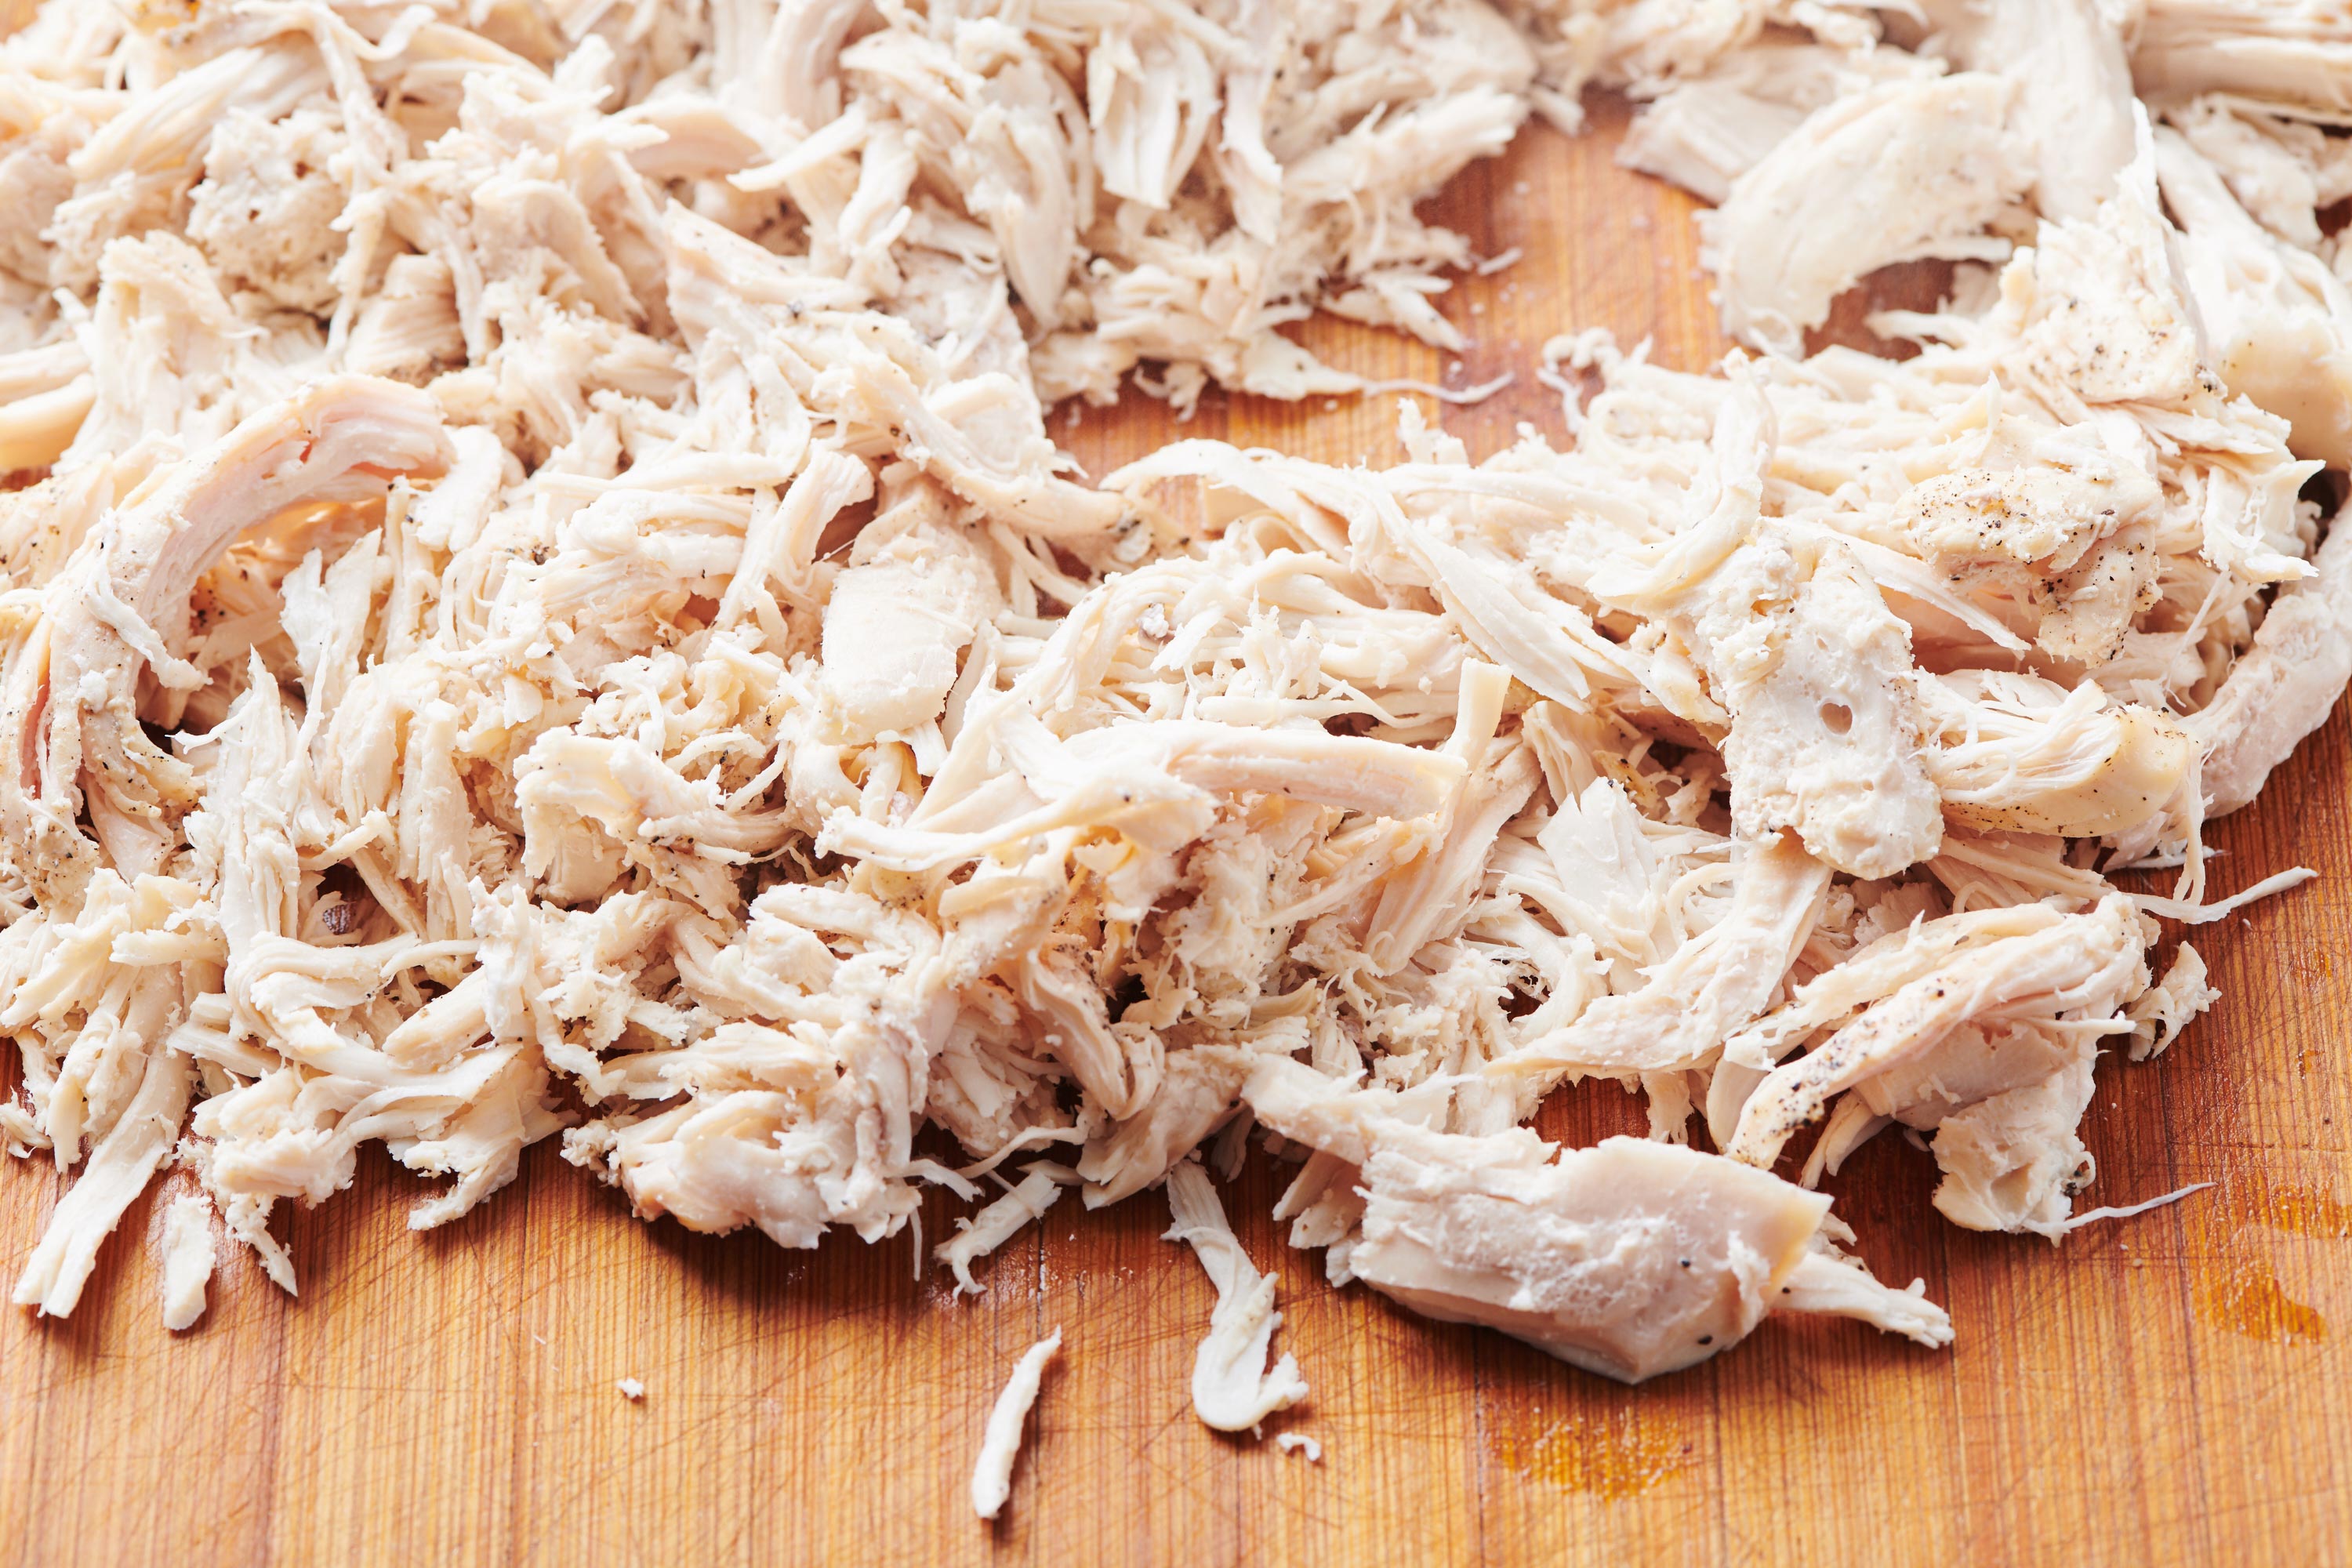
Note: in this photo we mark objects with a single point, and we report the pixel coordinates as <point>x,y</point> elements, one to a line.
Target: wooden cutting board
<point>2171,1388</point>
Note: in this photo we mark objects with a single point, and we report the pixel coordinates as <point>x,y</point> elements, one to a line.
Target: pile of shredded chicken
<point>539,603</point>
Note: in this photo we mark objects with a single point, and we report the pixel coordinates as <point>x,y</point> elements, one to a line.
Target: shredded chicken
<point>2092,1217</point>
<point>1234,1388</point>
<point>537,600</point>
<point>2171,1004</point>
<point>1912,169</point>
<point>992,1471</point>
<point>188,1254</point>
<point>997,1223</point>
<point>1629,1258</point>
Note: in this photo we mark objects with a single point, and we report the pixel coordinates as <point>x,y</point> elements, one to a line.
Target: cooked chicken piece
<point>2014,1161</point>
<point>1824,726</point>
<point>895,625</point>
<point>1644,48</point>
<point>90,998</point>
<point>1000,1446</point>
<point>2278,323</point>
<point>2284,687</point>
<point>1190,1096</point>
<point>1811,670</point>
<point>187,1259</point>
<point>2014,754</point>
<point>2068,538</point>
<point>1573,1256</point>
<point>2073,96</point>
<point>1609,868</point>
<point>1705,132</point>
<point>2282,171</point>
<point>2100,309</point>
<point>2086,966</point>
<point>1968,1066</point>
<point>1431,896</point>
<point>122,612</point>
<point>269,188</point>
<point>1899,172</point>
<point>634,799</point>
<point>45,395</point>
<point>117,1171</point>
<point>410,330</point>
<point>703,693</point>
<point>2296,54</point>
<point>1714,983</point>
<point>997,1223</point>
<point>1233,1389</point>
<point>2172,1004</point>
<point>1629,1258</point>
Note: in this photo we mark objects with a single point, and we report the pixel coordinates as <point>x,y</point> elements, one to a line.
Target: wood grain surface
<point>2174,1388</point>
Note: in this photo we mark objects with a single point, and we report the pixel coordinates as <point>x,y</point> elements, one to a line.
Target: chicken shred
<point>1000,1222</point>
<point>538,600</point>
<point>992,1471</point>
<point>1234,1388</point>
<point>188,1255</point>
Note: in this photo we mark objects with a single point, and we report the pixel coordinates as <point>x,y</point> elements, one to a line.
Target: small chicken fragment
<point>997,1223</point>
<point>2127,1210</point>
<point>631,1389</point>
<point>1299,1443</point>
<point>999,1445</point>
<point>899,618</point>
<point>187,1249</point>
<point>2172,1004</point>
<point>2014,1161</point>
<point>1234,1388</point>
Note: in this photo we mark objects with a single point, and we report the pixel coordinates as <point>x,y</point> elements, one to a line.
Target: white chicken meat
<point>537,600</point>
